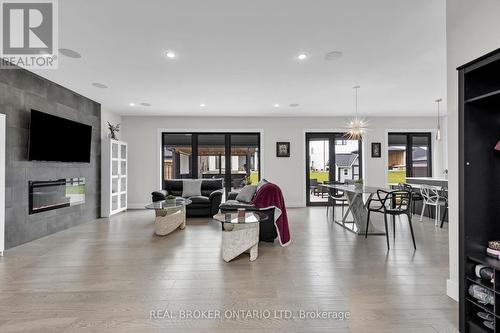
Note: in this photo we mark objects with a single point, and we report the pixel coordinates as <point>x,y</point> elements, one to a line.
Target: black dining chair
<point>335,196</point>
<point>313,186</point>
<point>393,203</point>
<point>416,196</point>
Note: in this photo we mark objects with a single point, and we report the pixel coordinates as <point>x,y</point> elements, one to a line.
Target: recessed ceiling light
<point>202,105</point>
<point>131,104</point>
<point>145,104</point>
<point>170,54</point>
<point>99,85</point>
<point>276,105</point>
<point>333,55</point>
<point>294,105</point>
<point>302,56</point>
<point>70,53</point>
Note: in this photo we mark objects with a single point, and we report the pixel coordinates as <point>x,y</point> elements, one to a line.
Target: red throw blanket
<point>270,195</point>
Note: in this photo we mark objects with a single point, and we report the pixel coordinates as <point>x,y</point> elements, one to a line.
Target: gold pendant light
<point>357,127</point>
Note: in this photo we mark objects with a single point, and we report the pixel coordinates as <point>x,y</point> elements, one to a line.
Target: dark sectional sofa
<point>207,204</point>
<point>267,230</point>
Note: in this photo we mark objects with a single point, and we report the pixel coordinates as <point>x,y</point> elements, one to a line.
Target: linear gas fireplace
<point>53,194</point>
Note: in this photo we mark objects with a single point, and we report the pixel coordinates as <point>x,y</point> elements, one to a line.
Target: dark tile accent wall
<point>21,91</point>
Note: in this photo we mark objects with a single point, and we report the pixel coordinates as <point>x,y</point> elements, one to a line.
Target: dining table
<point>358,198</point>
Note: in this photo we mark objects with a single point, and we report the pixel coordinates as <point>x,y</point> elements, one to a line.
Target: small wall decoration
<point>113,129</point>
<point>282,149</point>
<point>376,149</point>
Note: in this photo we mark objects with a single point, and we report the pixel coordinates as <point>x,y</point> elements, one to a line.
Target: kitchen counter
<point>417,182</point>
<point>433,181</point>
<point>441,179</point>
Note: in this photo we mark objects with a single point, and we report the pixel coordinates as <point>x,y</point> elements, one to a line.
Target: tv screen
<point>57,139</point>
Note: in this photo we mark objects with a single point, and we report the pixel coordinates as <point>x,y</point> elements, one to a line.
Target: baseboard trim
<point>452,289</point>
<point>136,205</point>
<point>296,204</point>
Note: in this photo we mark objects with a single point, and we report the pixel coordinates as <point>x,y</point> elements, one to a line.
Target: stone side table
<point>240,233</point>
<point>169,215</point>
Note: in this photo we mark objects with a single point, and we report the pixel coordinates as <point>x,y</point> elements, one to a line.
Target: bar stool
<point>431,197</point>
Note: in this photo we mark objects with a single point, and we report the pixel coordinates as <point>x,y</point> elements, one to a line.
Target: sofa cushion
<point>262,183</point>
<point>199,199</point>
<point>212,184</point>
<point>191,188</point>
<point>246,193</point>
<point>173,186</point>
<point>206,193</point>
<point>234,204</point>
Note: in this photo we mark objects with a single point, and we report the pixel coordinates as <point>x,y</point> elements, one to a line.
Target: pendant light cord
<point>438,101</point>
<point>356,96</point>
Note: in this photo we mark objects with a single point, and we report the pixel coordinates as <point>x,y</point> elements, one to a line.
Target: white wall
<point>113,118</point>
<point>473,29</point>
<point>142,135</point>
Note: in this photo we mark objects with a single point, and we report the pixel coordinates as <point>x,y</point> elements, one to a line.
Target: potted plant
<point>358,183</point>
<point>170,199</point>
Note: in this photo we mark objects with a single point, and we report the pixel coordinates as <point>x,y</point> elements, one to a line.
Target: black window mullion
<point>227,176</point>
<point>409,155</point>
<point>163,161</point>
<point>259,168</point>
<point>194,156</point>
<point>332,159</point>
<point>429,155</point>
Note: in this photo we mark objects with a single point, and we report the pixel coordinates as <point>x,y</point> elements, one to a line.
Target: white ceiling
<point>239,57</point>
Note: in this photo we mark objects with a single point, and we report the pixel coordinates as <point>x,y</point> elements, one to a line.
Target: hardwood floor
<point>108,275</point>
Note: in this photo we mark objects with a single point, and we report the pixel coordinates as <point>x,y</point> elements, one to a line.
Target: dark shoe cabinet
<point>479,184</point>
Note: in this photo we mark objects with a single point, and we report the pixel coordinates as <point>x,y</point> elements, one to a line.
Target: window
<point>346,172</point>
<point>409,156</point>
<point>177,151</point>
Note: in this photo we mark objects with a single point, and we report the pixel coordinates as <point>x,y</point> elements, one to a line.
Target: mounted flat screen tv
<point>57,139</point>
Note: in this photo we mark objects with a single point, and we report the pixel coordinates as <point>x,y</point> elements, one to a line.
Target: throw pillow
<point>246,194</point>
<point>262,183</point>
<point>191,187</point>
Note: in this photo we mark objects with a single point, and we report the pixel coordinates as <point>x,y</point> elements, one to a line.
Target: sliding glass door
<point>410,155</point>
<point>211,150</point>
<point>329,157</point>
<point>319,170</point>
<point>235,157</point>
<point>245,152</point>
<point>177,156</point>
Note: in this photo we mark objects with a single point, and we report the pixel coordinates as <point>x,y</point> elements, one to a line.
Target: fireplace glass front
<point>54,194</point>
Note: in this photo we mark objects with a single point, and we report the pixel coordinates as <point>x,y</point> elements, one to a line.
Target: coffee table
<point>240,233</point>
<point>169,215</point>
